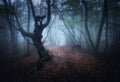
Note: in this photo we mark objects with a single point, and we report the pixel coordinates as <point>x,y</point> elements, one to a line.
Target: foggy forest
<point>59,41</point>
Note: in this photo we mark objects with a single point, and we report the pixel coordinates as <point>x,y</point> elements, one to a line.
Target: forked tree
<point>36,36</point>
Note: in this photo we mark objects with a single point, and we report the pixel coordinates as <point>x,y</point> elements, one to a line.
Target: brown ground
<point>67,65</point>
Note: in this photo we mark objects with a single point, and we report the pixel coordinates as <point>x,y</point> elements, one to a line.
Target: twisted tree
<point>36,36</point>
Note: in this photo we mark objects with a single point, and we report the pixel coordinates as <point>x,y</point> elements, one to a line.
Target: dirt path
<point>68,65</point>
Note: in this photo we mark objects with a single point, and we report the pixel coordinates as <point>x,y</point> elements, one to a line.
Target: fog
<point>59,40</point>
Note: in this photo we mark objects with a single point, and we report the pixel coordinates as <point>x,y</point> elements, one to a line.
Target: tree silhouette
<point>36,36</point>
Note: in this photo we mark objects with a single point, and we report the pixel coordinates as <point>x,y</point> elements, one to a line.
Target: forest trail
<point>67,65</point>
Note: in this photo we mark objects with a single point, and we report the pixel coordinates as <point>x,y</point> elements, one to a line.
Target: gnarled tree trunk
<point>36,36</point>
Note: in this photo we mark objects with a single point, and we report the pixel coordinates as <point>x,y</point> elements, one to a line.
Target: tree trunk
<point>28,26</point>
<point>13,41</point>
<point>43,55</point>
<point>106,27</point>
<point>101,26</point>
<point>13,35</point>
<point>86,25</point>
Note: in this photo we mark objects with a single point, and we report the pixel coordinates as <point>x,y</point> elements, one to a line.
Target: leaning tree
<point>36,36</point>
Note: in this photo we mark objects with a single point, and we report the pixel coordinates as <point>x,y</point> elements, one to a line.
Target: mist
<point>60,40</point>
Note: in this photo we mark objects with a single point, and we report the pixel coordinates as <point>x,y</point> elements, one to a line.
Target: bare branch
<point>33,11</point>
<point>49,30</point>
<point>48,13</point>
<point>28,5</point>
<point>67,27</point>
<point>27,40</point>
<point>23,32</point>
<point>6,16</point>
<point>53,3</point>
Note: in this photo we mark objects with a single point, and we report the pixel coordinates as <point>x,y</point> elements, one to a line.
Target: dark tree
<point>36,36</point>
<point>7,14</point>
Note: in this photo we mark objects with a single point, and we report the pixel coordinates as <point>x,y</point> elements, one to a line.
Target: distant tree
<point>85,4</point>
<point>101,24</point>
<point>28,25</point>
<point>93,14</point>
<point>7,14</point>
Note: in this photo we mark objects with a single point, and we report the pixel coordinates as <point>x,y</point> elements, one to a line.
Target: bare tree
<point>36,36</point>
<point>10,20</point>
<point>101,24</point>
<point>86,24</point>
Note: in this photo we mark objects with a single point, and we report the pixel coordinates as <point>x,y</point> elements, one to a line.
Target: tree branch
<point>33,11</point>
<point>49,30</point>
<point>23,32</point>
<point>48,13</point>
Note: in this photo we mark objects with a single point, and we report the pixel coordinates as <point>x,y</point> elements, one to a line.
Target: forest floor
<point>67,65</point>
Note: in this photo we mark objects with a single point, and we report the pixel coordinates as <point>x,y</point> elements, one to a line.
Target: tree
<point>86,24</point>
<point>36,36</point>
<point>6,13</point>
<point>101,24</point>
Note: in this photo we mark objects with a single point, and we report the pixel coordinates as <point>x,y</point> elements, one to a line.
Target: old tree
<point>36,36</point>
